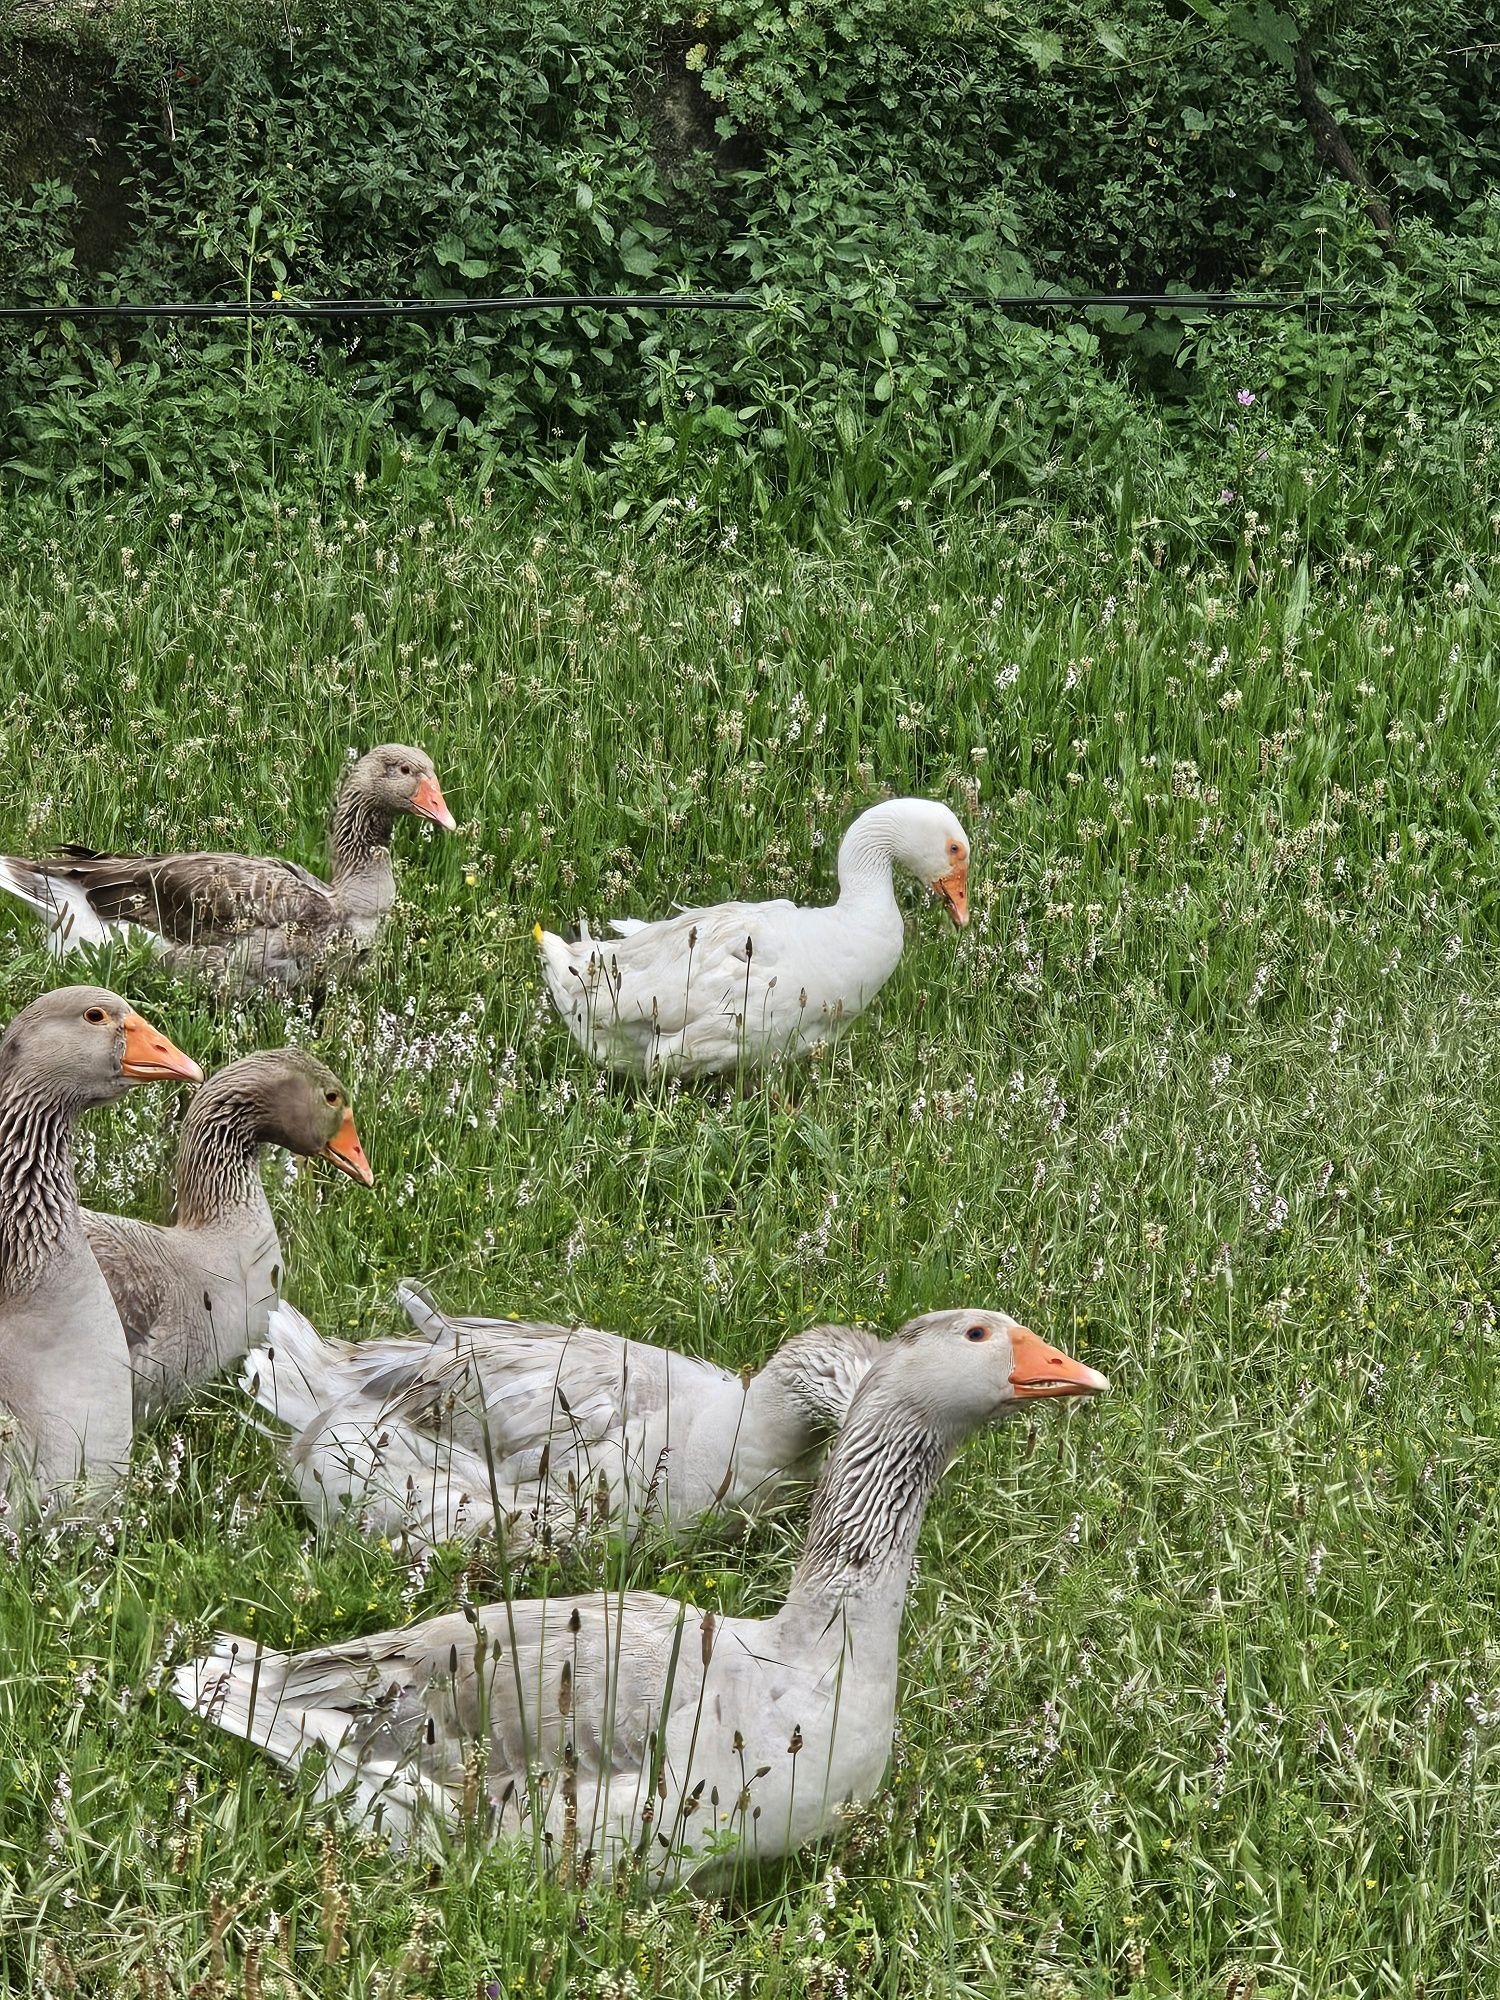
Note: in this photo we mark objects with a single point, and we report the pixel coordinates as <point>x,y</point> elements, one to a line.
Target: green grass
<point>1201,1682</point>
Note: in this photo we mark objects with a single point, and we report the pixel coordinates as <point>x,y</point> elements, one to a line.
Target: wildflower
<point>1245,398</point>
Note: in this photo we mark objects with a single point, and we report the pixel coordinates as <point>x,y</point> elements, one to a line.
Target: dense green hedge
<point>844,159</point>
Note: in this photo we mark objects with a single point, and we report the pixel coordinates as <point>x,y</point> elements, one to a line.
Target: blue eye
<point>977,1333</point>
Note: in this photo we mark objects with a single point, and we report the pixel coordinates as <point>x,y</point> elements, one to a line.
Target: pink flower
<point>1245,398</point>
<point>1226,496</point>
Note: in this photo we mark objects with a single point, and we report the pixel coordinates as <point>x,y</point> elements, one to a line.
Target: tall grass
<point>1201,1683</point>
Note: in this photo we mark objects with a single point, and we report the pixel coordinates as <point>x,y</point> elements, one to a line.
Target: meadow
<point>1201,1682</point>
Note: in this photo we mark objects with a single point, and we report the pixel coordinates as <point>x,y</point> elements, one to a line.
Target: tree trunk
<point>1329,139</point>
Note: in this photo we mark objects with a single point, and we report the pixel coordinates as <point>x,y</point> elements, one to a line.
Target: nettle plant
<point>846,164</point>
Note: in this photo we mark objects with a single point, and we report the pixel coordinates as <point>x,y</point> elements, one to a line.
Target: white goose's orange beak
<point>149,1057</point>
<point>1040,1370</point>
<point>428,800</point>
<point>953,888</point>
<point>347,1154</point>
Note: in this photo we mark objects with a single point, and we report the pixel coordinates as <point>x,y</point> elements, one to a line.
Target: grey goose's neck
<point>38,1196</point>
<point>359,840</point>
<point>867,1513</point>
<point>218,1156</point>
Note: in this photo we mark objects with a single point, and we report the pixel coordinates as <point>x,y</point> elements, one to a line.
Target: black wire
<point>1008,302</point>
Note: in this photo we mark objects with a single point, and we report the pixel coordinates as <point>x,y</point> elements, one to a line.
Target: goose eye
<point>977,1333</point>
<point>332,1097</point>
<point>406,770</point>
<point>95,1016</point>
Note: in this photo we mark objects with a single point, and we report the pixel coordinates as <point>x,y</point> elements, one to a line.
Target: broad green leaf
<point>1044,48</point>
<point>1263,27</point>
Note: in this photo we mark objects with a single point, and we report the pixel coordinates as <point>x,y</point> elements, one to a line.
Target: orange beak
<point>428,800</point>
<point>347,1154</point>
<point>954,890</point>
<point>150,1057</point>
<point>1040,1370</point>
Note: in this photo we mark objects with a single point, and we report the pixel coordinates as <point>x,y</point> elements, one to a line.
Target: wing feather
<point>197,899</point>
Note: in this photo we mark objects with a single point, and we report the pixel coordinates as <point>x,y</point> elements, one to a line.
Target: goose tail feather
<point>297,1373</point>
<point>71,919</point>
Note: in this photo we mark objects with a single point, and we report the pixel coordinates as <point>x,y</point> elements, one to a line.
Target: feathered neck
<point>38,1196</point>
<point>867,853</point>
<point>218,1155</point>
<point>360,836</point>
<point>867,1512</point>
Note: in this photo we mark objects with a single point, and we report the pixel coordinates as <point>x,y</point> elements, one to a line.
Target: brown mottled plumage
<point>243,920</point>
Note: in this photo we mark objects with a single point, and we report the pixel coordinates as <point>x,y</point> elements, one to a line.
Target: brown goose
<point>193,1297</point>
<point>244,921</point>
<point>65,1406</point>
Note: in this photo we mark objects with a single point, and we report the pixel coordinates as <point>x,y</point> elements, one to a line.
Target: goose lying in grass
<point>193,1297</point>
<point>534,1432</point>
<point>64,1370</point>
<point>243,921</point>
<point>708,989</point>
<point>625,1724</point>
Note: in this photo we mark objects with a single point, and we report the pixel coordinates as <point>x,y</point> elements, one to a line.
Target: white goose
<point>534,1432</point>
<point>624,1725</point>
<point>708,989</point>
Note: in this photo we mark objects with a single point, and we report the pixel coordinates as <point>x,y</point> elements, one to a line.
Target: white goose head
<point>925,838</point>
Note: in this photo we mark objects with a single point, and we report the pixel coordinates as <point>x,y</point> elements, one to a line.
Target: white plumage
<point>708,989</point>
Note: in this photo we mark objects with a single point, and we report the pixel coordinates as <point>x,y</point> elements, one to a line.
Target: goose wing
<point>136,1269</point>
<point>526,1384</point>
<point>670,974</point>
<point>196,899</point>
<point>528,1703</point>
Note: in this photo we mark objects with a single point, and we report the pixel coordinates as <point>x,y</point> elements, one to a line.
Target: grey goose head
<point>394,778</point>
<point>83,1046</point>
<point>961,1369</point>
<point>289,1099</point>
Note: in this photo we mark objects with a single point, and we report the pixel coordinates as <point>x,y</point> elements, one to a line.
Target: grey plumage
<point>530,1431</point>
<point>628,1729</point>
<point>64,1366</point>
<point>195,1295</point>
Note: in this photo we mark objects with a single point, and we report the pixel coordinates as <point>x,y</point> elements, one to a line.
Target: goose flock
<point>616,1730</point>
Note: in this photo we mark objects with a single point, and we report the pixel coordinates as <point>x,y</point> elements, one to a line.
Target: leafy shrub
<point>869,171</point>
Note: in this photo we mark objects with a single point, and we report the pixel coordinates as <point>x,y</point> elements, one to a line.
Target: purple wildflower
<point>1245,398</point>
